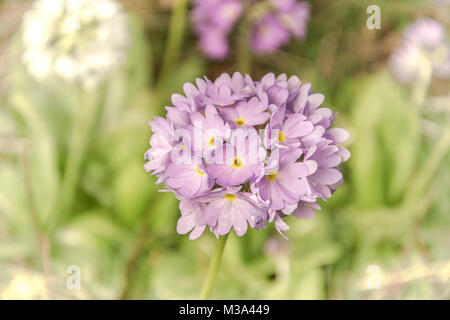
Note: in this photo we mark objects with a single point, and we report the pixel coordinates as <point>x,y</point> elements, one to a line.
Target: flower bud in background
<point>79,41</point>
<point>424,50</point>
<point>254,152</point>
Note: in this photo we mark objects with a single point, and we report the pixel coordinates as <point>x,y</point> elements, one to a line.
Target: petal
<point>315,100</point>
<point>280,225</point>
<point>327,176</point>
<point>338,135</point>
<point>295,126</point>
<point>331,161</point>
<point>224,223</point>
<point>302,98</point>
<point>185,224</point>
<point>304,213</point>
<point>239,222</point>
<point>197,232</point>
<point>190,90</point>
<point>188,207</point>
<point>312,166</point>
<point>344,154</point>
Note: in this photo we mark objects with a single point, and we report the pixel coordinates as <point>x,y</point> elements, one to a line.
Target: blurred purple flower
<point>281,20</point>
<point>295,17</point>
<point>423,52</point>
<point>213,20</point>
<point>269,34</point>
<point>214,44</point>
<point>270,153</point>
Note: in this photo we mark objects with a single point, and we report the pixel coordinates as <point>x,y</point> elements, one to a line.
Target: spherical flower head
<point>76,40</point>
<point>242,154</point>
<point>423,51</point>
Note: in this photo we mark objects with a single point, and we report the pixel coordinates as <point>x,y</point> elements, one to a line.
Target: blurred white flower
<point>25,286</point>
<point>423,52</point>
<point>77,40</point>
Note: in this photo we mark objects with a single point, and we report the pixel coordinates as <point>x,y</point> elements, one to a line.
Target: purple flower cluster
<point>423,51</point>
<point>240,153</point>
<point>279,21</point>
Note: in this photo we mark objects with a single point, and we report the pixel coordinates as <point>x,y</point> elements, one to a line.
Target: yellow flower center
<point>230,197</point>
<point>272,176</point>
<point>237,163</point>
<point>211,142</point>
<point>281,137</point>
<point>197,170</point>
<point>240,122</point>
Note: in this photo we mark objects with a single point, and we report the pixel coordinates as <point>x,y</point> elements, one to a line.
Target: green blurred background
<point>383,235</point>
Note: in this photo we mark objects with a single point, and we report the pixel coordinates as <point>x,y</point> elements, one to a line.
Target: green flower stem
<point>244,58</point>
<point>421,85</point>
<point>175,40</point>
<point>213,268</point>
<point>85,118</point>
<point>432,164</point>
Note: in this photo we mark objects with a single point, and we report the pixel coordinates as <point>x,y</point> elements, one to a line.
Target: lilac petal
<point>190,90</point>
<point>281,226</point>
<point>201,84</point>
<point>338,135</point>
<point>294,83</point>
<point>239,223</point>
<point>314,137</point>
<point>224,222</point>
<point>302,98</point>
<point>292,189</point>
<point>304,213</point>
<point>197,232</point>
<point>277,115</point>
<point>277,95</point>
<point>287,156</point>
<point>294,171</point>
<point>344,154</point>
<point>323,191</point>
<point>234,177</point>
<point>259,118</point>
<point>295,126</point>
<point>327,176</point>
<point>188,207</point>
<point>289,208</point>
<point>185,224</point>
<point>315,100</point>
<point>230,114</point>
<point>332,161</point>
<point>312,166</point>
<point>178,117</point>
<point>277,194</point>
